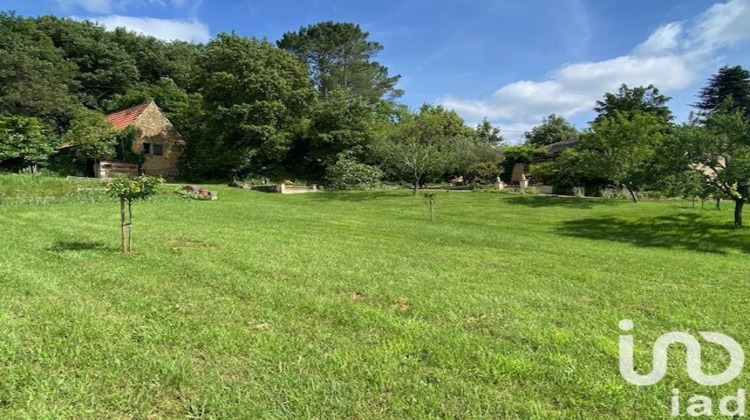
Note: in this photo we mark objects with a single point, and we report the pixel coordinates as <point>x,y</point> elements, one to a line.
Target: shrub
<point>348,174</point>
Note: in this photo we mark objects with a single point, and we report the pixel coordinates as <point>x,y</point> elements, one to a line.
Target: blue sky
<point>508,60</point>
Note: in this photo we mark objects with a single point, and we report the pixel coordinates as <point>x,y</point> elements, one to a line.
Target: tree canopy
<point>730,83</point>
<point>629,101</point>
<point>553,129</point>
<point>340,56</point>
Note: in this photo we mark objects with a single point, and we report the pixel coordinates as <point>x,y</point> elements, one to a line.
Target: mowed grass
<point>355,305</point>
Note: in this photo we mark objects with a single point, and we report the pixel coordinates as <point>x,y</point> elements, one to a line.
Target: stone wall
<point>154,128</point>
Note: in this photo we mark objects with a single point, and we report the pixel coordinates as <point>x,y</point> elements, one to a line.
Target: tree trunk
<point>633,195</point>
<point>718,203</point>
<point>416,184</point>
<point>130,226</point>
<point>739,204</point>
<point>122,225</point>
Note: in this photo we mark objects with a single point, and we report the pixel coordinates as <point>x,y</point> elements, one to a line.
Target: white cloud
<point>664,40</point>
<point>672,58</point>
<point>722,24</point>
<point>166,29</point>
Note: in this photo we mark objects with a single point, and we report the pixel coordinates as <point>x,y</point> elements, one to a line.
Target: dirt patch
<point>356,296</point>
<point>402,304</point>
<point>182,243</point>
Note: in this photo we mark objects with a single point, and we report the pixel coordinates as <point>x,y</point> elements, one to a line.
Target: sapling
<point>429,199</point>
<point>128,191</point>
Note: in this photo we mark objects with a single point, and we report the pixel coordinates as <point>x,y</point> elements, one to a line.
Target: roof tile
<point>122,119</point>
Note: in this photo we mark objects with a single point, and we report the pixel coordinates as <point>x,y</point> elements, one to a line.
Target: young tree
<point>339,56</point>
<point>430,199</point>
<point>623,149</point>
<point>129,191</point>
<point>729,83</point>
<point>630,101</point>
<point>553,129</point>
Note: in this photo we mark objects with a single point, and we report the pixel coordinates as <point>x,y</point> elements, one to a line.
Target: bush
<point>348,174</point>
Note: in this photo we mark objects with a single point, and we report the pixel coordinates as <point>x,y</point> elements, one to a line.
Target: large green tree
<point>23,143</point>
<point>553,129</point>
<point>92,135</point>
<point>104,66</point>
<point>729,83</point>
<point>420,146</point>
<point>35,79</point>
<point>718,149</point>
<point>340,56</point>
<point>254,95</point>
<point>629,101</point>
<point>157,59</point>
<point>339,123</point>
<point>623,148</point>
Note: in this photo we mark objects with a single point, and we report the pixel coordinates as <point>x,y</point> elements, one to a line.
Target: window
<point>158,149</point>
<point>146,148</point>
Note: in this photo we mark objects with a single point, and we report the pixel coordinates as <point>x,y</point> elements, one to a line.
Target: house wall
<point>154,128</point>
<point>519,169</point>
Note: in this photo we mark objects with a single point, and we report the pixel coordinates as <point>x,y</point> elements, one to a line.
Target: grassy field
<point>354,305</point>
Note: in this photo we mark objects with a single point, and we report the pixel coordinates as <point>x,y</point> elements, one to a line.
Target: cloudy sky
<point>510,61</point>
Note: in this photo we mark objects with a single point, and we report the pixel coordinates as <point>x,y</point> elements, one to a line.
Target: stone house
<point>156,137</point>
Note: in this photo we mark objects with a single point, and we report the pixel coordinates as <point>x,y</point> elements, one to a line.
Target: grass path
<point>354,305</point>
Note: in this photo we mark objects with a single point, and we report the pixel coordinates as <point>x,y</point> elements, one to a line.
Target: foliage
<point>134,189</point>
<point>629,102</point>
<point>474,158</point>
<point>23,142</point>
<point>420,146</point>
<point>129,190</point>
<point>339,123</point>
<point>524,153</point>
<point>339,57</point>
<point>170,98</point>
<point>730,83</point>
<point>553,129</point>
<point>623,148</point>
<point>489,134</point>
<point>719,151</point>
<point>110,71</point>
<point>35,78</point>
<point>348,174</point>
<point>92,135</point>
<point>247,126</point>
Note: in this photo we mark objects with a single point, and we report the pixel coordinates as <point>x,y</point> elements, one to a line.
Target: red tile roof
<point>122,119</point>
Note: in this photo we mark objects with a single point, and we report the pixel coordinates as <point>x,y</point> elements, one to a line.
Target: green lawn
<point>354,305</point>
